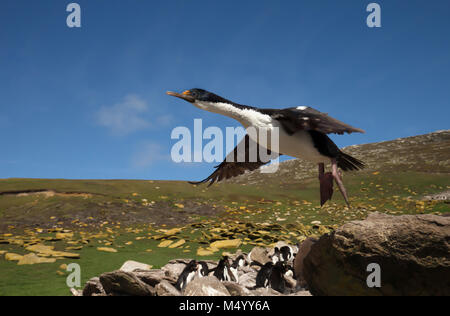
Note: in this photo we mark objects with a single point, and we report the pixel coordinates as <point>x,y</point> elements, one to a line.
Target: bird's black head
<point>196,94</point>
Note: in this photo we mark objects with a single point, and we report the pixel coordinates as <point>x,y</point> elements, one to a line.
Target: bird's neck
<point>243,114</point>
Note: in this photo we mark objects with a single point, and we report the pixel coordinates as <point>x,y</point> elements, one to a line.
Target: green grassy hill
<point>134,217</point>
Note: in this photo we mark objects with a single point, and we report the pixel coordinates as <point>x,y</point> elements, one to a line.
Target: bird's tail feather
<point>349,163</point>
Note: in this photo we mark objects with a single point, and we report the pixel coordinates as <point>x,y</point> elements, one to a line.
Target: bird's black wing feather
<point>238,162</point>
<point>296,119</point>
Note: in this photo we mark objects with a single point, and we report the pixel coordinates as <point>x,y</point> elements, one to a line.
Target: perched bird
<point>202,269</point>
<point>187,275</point>
<point>264,274</point>
<point>302,134</point>
<point>239,262</point>
<point>222,271</point>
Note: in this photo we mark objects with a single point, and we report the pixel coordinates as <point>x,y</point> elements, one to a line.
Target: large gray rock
<point>208,286</point>
<point>130,266</point>
<point>236,289</point>
<point>303,251</point>
<point>152,277</point>
<point>259,254</point>
<point>166,289</point>
<point>265,292</point>
<point>125,283</point>
<point>413,252</point>
<point>93,287</point>
<point>248,280</point>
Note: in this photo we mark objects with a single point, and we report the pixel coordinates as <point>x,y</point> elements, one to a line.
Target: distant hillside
<point>425,153</point>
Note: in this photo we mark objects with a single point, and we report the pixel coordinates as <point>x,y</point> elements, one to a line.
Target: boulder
<point>164,288</point>
<point>174,268</point>
<point>208,286</point>
<point>131,265</point>
<point>152,277</point>
<point>303,251</point>
<point>236,289</point>
<point>248,280</point>
<point>260,255</point>
<point>93,287</point>
<point>412,251</point>
<point>125,283</point>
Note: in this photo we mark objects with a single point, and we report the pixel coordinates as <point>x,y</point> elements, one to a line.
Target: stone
<point>225,244</point>
<point>93,287</point>
<point>236,289</point>
<point>130,266</point>
<point>125,283</point>
<point>165,243</point>
<point>152,277</point>
<point>265,292</point>
<point>301,293</point>
<point>164,288</point>
<point>177,244</point>
<point>32,258</point>
<point>13,257</point>
<point>260,255</point>
<point>40,248</point>
<point>412,251</point>
<point>248,280</point>
<point>303,251</point>
<point>64,235</point>
<point>174,269</point>
<point>75,292</point>
<point>173,231</point>
<point>207,286</point>
<point>204,252</point>
<point>106,249</point>
<point>44,250</point>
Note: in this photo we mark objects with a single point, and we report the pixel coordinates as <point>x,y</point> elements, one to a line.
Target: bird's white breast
<point>299,145</point>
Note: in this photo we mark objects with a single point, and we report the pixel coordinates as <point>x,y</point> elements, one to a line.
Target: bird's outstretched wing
<point>306,118</point>
<point>245,157</point>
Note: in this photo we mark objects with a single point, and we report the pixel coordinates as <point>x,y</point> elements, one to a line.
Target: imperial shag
<point>302,134</point>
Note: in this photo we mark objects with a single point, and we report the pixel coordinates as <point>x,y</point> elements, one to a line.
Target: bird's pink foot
<point>326,187</point>
<point>326,184</point>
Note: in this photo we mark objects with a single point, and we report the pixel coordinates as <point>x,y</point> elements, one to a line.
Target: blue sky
<point>91,103</point>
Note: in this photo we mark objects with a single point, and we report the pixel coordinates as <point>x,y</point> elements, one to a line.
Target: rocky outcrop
<point>412,251</point>
<point>135,279</point>
<point>125,283</point>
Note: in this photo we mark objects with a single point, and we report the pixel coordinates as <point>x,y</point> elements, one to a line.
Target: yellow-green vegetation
<point>46,224</point>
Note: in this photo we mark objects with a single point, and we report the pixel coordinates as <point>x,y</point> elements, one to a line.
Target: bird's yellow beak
<point>186,95</point>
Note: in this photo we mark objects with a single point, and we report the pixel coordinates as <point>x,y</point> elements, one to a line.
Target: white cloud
<point>147,154</point>
<point>129,116</point>
<point>124,117</point>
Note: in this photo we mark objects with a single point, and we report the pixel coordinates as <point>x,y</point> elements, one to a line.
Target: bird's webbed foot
<point>326,185</point>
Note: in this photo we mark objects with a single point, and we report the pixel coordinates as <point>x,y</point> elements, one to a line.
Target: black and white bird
<point>302,134</point>
<point>187,275</point>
